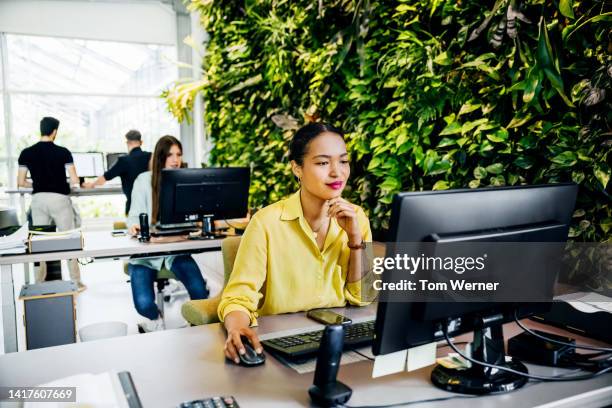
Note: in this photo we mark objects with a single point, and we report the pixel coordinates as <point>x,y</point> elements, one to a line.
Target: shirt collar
<point>292,208</point>
<point>135,150</point>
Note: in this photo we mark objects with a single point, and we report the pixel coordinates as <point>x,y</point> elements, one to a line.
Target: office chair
<point>204,311</point>
<point>162,282</point>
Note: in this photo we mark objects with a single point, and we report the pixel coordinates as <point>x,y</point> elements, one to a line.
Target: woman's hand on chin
<point>345,214</point>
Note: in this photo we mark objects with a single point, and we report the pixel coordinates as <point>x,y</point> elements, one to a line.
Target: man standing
<point>127,167</point>
<point>48,164</point>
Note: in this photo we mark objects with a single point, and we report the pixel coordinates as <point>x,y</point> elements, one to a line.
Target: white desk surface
<point>184,364</point>
<point>101,244</point>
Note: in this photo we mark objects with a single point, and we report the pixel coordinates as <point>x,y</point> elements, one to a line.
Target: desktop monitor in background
<point>111,159</point>
<point>510,216</point>
<point>208,194</point>
<point>88,164</point>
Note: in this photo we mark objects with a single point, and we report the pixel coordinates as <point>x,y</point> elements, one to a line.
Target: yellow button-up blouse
<point>280,269</point>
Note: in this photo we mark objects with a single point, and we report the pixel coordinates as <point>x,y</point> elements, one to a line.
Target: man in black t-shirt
<point>127,167</point>
<point>48,164</point>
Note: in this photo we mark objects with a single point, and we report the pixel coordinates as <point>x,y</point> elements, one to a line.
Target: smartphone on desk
<point>328,317</point>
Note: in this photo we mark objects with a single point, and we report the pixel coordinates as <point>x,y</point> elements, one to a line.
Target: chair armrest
<point>203,311</point>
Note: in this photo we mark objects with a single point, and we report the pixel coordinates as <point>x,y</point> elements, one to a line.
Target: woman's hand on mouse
<point>234,346</point>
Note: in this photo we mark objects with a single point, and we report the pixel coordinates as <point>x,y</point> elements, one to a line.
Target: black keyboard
<point>172,231</point>
<point>215,402</point>
<point>304,345</point>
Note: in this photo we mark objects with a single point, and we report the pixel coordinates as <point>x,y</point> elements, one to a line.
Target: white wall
<point>148,22</point>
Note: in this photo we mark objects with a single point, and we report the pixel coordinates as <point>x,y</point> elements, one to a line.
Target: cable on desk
<point>362,355</point>
<point>578,346</point>
<point>521,373</point>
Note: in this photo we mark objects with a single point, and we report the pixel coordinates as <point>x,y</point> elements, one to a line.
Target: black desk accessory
<point>326,391</point>
<point>145,236</point>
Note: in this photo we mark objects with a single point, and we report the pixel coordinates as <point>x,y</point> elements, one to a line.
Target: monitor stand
<point>487,346</point>
<point>208,230</point>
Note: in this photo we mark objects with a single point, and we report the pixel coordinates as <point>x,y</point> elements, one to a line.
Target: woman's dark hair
<point>301,139</point>
<point>158,161</point>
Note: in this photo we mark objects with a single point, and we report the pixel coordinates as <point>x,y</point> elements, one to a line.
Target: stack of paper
<point>16,242</point>
<point>92,390</point>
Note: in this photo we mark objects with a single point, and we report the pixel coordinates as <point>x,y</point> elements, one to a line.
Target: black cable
<point>521,373</point>
<point>362,355</point>
<point>526,329</point>
<point>459,343</point>
<point>406,403</point>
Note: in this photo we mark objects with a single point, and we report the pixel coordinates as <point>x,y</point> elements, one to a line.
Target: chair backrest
<point>229,249</point>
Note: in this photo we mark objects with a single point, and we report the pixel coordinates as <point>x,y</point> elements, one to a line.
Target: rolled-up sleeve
<point>141,195</point>
<point>357,293</point>
<point>242,292</point>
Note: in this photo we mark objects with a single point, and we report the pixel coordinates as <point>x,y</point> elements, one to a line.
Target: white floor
<point>109,298</point>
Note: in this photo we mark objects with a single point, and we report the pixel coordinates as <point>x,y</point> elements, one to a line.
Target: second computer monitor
<point>89,164</point>
<point>188,195</point>
<point>111,159</point>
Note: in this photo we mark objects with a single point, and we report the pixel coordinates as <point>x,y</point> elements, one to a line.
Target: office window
<point>97,89</point>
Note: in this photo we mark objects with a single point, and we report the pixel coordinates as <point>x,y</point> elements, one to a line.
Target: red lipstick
<point>336,185</point>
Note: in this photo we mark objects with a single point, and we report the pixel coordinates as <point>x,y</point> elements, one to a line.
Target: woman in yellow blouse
<point>303,252</point>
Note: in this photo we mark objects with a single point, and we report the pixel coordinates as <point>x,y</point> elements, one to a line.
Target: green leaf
<point>390,184</point>
<point>467,126</point>
<point>602,174</point>
<point>565,7</point>
<point>446,142</point>
<point>532,83</point>
<point>498,181</point>
<point>377,141</point>
<point>565,159</point>
<point>523,162</point>
<point>443,59</point>
<point>606,224</point>
<point>374,163</point>
<point>451,129</point>
<point>579,213</point>
<point>439,167</point>
<point>513,179</point>
<point>480,173</point>
<point>468,107</point>
<point>474,184</point>
<point>500,135</point>
<point>496,168</point>
<point>519,120</point>
<point>440,185</point>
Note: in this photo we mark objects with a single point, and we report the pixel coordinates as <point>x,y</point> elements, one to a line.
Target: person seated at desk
<point>304,252</point>
<point>127,167</point>
<point>145,199</point>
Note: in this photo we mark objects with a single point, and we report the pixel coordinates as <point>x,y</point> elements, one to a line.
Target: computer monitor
<point>111,159</point>
<point>540,213</point>
<point>188,195</point>
<point>89,164</point>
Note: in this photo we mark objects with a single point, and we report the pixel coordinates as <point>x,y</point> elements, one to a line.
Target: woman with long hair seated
<point>301,253</point>
<point>168,154</point>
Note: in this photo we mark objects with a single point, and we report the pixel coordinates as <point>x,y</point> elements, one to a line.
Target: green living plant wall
<point>433,94</point>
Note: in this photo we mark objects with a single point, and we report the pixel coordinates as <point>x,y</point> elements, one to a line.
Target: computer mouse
<point>250,358</point>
